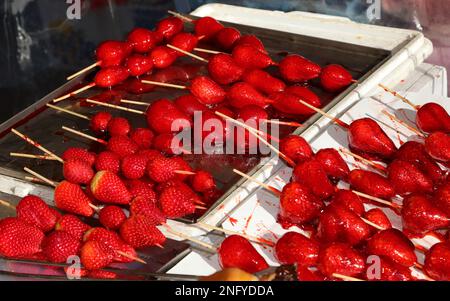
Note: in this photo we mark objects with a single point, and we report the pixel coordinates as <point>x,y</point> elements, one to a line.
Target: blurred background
<point>40,46</point>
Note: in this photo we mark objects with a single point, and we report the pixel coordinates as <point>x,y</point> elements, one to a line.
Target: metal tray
<point>44,125</point>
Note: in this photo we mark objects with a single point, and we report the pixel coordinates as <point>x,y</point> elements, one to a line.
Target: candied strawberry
<point>293,248</point>
<point>342,259</point>
<point>312,174</point>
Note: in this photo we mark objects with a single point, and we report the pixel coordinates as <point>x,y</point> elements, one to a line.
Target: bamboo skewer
<point>346,278</point>
<point>41,177</point>
<point>194,240</point>
<point>187,53</point>
<point>133,102</point>
<point>406,125</point>
<point>266,186</point>
<point>32,142</point>
<point>378,200</point>
<point>7,204</point>
<point>288,123</point>
<point>362,159</point>
<point>68,111</point>
<point>98,63</point>
<point>82,89</point>
<point>322,112</point>
<point>31,156</point>
<point>404,99</point>
<point>164,84</point>
<point>180,16</point>
<point>114,106</point>
<point>207,50</point>
<point>85,135</point>
<point>137,259</point>
<point>230,232</point>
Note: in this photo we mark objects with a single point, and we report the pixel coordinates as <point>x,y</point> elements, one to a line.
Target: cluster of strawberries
<point>343,233</point>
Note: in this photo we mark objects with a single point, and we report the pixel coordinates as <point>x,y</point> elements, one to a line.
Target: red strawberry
<point>263,81</point>
<point>110,76</point>
<point>107,187</point>
<point>111,217</point>
<point>59,245</point>
<point>177,201</point>
<point>72,225</point>
<point>143,189</point>
<point>442,198</point>
<point>99,122</point>
<point>169,27</point>
<point>223,69</point>
<point>202,181</point>
<point>142,137</point>
<point>249,57</point>
<point>207,91</point>
<point>185,41</point>
<point>207,26</point>
<point>164,117</point>
<point>335,78</point>
<point>254,113</point>
<point>138,64</point>
<point>143,40</point>
<point>432,117</point>
<point>296,148</point>
<point>342,259</point>
<point>168,143</point>
<point>437,261</point>
<point>119,126</point>
<point>150,154</point>
<point>391,271</point>
<point>242,94</point>
<point>378,217</point>
<point>226,37</point>
<point>189,104</point>
<point>162,169</point>
<point>305,274</point>
<point>371,183</point>
<point>406,178</point>
<point>365,135</point>
<point>312,174</point>
<point>295,68</point>
<point>122,146</point>
<point>100,274</point>
<point>289,102</point>
<point>35,212</point>
<point>237,252</point>
<point>96,255</point>
<point>134,85</point>
<point>139,231</point>
<point>420,215</point>
<point>251,40</point>
<point>111,53</point>
<point>415,153</point>
<point>18,238</point>
<point>437,146</point>
<point>298,204</point>
<point>142,206</point>
<point>71,198</point>
<point>108,161</point>
<point>162,57</point>
<point>348,199</point>
<point>77,171</point>
<point>134,166</point>
<point>295,248</point>
<point>80,154</point>
<point>393,244</point>
<point>333,164</point>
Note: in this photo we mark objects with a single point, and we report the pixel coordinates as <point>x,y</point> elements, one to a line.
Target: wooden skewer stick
<point>85,135</point>
<point>346,278</point>
<point>255,133</point>
<point>404,99</point>
<point>372,224</point>
<point>32,142</point>
<point>31,156</point>
<point>322,112</point>
<point>266,186</point>
<point>104,104</point>
<point>194,240</point>
<point>133,102</point>
<point>184,172</point>
<point>41,177</point>
<point>207,50</point>
<point>230,232</point>
<point>68,111</point>
<point>98,63</point>
<point>164,84</point>
<point>378,200</point>
<point>34,179</point>
<point>405,124</point>
<point>137,259</point>
<point>187,53</point>
<point>180,16</point>
<point>200,208</point>
<point>289,123</point>
<point>362,159</point>
<point>7,204</point>
<point>82,89</point>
